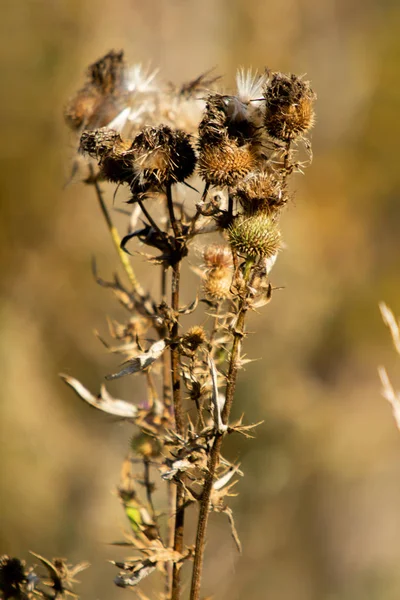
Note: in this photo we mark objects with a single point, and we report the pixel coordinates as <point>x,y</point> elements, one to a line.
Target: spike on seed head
<point>289,106</point>
<point>255,235</point>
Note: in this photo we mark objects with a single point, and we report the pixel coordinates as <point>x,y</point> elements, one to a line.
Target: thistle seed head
<point>217,283</point>
<point>99,142</point>
<point>98,102</point>
<point>255,235</point>
<point>163,155</point>
<point>259,191</point>
<point>107,73</point>
<point>195,337</point>
<point>226,163</point>
<point>216,256</point>
<point>289,106</point>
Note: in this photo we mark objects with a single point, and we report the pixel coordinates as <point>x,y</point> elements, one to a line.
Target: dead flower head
<point>289,106</point>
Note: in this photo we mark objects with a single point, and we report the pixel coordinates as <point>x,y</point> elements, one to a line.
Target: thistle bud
<point>260,192</point>
<point>289,106</point>
<point>255,235</point>
<point>163,155</point>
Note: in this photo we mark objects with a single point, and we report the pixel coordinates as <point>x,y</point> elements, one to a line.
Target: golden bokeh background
<point>319,506</point>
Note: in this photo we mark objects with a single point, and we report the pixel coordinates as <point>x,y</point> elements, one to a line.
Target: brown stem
<point>176,396</point>
<point>216,448</point>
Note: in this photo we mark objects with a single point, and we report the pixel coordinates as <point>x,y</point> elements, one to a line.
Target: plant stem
<point>176,395</point>
<point>114,234</point>
<point>216,448</point>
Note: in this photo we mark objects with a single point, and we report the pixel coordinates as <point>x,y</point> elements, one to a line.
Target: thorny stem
<point>216,448</point>
<point>114,234</point>
<point>177,397</point>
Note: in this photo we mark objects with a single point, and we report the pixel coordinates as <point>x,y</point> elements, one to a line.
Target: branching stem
<point>216,448</point>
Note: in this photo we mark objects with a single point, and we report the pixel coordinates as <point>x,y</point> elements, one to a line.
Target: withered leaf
<point>142,361</point>
<point>104,401</point>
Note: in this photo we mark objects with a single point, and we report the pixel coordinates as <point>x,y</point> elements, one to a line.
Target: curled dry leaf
<point>142,361</point>
<point>216,398</point>
<point>104,401</point>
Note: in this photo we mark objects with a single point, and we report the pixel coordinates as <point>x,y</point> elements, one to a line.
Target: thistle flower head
<point>99,142</point>
<point>255,235</point>
<point>194,338</point>
<point>99,101</point>
<point>163,155</point>
<point>289,106</point>
<point>217,283</point>
<point>107,73</point>
<point>260,191</point>
<point>225,163</point>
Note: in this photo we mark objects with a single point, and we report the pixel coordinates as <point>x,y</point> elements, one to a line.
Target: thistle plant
<point>195,160</point>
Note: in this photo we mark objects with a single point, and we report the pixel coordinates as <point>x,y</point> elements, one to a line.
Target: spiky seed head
<point>163,155</point>
<point>255,235</point>
<point>217,283</point>
<point>98,101</point>
<point>99,142</point>
<point>289,106</point>
<point>146,445</point>
<point>112,152</point>
<point>259,191</point>
<point>217,255</point>
<point>80,109</point>
<point>195,337</point>
<point>227,116</point>
<point>107,73</point>
<point>226,163</point>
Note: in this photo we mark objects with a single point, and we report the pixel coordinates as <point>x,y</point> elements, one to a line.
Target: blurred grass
<point>318,508</point>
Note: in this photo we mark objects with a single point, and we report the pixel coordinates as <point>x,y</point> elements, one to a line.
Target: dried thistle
<point>242,143</point>
<point>289,106</point>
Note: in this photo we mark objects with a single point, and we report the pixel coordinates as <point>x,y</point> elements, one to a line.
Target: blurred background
<point>319,506</point>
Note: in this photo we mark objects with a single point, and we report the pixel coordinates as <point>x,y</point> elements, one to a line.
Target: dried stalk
<point>114,234</point>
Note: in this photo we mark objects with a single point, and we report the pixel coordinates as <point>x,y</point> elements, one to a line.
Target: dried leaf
<point>142,361</point>
<point>104,401</point>
<point>216,398</point>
